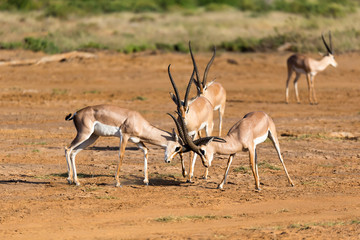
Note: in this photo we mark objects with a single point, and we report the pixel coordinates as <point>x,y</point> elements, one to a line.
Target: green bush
<point>38,44</point>
<point>10,45</point>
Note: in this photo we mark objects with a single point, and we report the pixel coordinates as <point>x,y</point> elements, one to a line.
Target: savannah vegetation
<point>141,25</point>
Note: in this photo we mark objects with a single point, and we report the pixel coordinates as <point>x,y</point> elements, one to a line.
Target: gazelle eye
<point>177,149</point>
<point>202,152</point>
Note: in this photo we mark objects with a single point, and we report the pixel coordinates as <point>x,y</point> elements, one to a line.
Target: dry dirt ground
<point>37,203</point>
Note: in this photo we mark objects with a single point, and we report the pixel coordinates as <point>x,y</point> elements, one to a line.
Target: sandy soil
<point>37,203</point>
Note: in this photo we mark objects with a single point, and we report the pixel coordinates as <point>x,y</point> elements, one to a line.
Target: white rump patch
<point>106,130</point>
<point>261,139</point>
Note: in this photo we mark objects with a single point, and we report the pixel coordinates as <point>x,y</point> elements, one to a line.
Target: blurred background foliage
<point>62,8</point>
<point>62,25</point>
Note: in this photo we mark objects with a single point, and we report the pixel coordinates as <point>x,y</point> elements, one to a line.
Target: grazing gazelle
<point>310,67</point>
<point>245,135</point>
<point>213,91</point>
<point>107,120</point>
<point>197,114</point>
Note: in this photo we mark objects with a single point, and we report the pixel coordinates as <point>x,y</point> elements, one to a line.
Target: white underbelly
<point>101,129</point>
<point>261,138</point>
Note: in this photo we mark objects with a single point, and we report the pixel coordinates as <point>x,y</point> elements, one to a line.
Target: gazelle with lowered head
<point>107,120</point>
<point>245,135</point>
<point>301,64</point>
<point>214,91</point>
<point>197,114</point>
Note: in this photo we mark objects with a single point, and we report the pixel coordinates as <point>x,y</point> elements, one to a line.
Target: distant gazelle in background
<point>310,67</point>
<point>213,91</point>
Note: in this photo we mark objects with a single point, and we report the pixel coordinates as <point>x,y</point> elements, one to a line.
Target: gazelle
<point>310,67</point>
<point>107,120</point>
<point>245,135</point>
<point>213,91</point>
<point>197,114</point>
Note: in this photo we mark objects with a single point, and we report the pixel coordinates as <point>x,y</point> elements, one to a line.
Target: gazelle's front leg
<point>123,141</point>
<point>192,162</point>
<point>142,146</point>
<point>290,71</point>
<point>308,78</point>
<point>184,173</point>
<point>313,89</point>
<point>296,87</point>
<point>231,157</point>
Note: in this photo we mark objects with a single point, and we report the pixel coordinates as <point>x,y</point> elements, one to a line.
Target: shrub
<point>37,44</point>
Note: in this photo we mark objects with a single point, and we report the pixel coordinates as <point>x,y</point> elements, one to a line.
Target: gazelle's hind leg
<point>142,146</point>
<point>79,139</point>
<point>252,152</point>
<point>290,71</point>
<point>296,87</point>
<point>274,139</point>
<point>76,150</point>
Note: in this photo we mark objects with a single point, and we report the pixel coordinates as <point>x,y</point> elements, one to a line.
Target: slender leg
<point>142,146</point>
<point>313,89</point>
<point>76,150</point>
<point>275,141</point>
<point>221,114</point>
<point>206,173</point>
<point>193,157</point>
<point>256,166</point>
<point>253,167</point>
<point>79,139</point>
<point>184,173</point>
<point>308,78</point>
<point>123,141</point>
<point>192,163</point>
<point>290,71</point>
<point>231,157</point>
<point>296,87</point>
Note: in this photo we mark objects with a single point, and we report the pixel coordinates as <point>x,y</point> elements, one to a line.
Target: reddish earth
<point>37,203</point>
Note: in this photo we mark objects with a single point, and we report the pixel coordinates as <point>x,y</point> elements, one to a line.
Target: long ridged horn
<point>327,47</point>
<point>178,101</point>
<point>196,70</point>
<point>188,141</point>
<point>330,42</point>
<point>186,98</point>
<point>180,131</point>
<point>207,69</point>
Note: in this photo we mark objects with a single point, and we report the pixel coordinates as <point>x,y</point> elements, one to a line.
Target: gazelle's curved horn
<point>327,47</point>
<point>196,69</point>
<point>188,141</point>
<point>330,42</point>
<point>181,133</point>
<point>207,69</point>
<point>186,98</point>
<point>178,101</point>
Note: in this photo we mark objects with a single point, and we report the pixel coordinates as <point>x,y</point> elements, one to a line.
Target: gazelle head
<point>330,56</point>
<point>173,147</point>
<point>200,146</point>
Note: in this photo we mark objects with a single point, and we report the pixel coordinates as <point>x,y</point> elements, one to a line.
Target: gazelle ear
<point>173,97</point>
